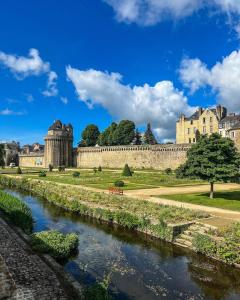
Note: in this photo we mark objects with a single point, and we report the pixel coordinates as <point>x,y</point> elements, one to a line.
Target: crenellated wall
<point>158,157</point>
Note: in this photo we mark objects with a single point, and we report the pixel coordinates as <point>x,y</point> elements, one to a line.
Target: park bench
<point>116,191</point>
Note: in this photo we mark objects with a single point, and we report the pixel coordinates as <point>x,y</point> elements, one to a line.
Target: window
<point>211,119</point>
<point>232,134</point>
<point>211,129</point>
<point>204,120</point>
<point>204,129</point>
<point>188,130</point>
<point>189,141</point>
<point>194,140</point>
<point>191,122</point>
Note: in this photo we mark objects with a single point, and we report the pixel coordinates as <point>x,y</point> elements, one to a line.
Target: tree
<point>124,133</point>
<point>105,138</point>
<point>149,137</point>
<point>2,154</point>
<point>137,139</point>
<point>213,158</point>
<point>90,136</point>
<point>126,171</point>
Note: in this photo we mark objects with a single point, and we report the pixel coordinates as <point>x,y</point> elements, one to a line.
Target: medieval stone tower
<point>59,145</point>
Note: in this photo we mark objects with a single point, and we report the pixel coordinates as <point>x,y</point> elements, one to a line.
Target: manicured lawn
<point>226,200</point>
<point>106,178</point>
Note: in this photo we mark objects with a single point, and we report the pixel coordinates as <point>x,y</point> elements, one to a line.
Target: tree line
<point>123,133</point>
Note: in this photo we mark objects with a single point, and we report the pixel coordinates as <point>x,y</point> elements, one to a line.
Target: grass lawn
<point>106,178</point>
<point>226,200</point>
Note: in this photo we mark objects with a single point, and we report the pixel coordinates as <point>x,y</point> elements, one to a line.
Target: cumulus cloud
<point>160,104</point>
<point>223,78</point>
<point>8,112</point>
<point>32,65</point>
<point>150,12</point>
<point>51,90</point>
<point>25,66</point>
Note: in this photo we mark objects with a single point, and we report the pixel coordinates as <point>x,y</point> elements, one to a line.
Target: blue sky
<point>98,61</point>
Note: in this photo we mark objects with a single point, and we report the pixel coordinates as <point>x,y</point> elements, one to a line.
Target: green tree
<point>105,138</point>
<point>90,136</point>
<point>213,159</point>
<point>149,137</point>
<point>126,171</point>
<point>2,154</point>
<point>137,138</point>
<point>124,133</point>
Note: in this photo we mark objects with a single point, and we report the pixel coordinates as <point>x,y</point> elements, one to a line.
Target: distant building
<point>203,121</point>
<point>227,123</point>
<point>36,147</point>
<point>234,134</point>
<point>11,150</point>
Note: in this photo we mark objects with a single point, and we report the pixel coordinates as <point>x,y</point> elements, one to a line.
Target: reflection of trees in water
<point>216,280</point>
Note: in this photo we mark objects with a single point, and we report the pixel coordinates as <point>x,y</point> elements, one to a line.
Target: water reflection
<point>139,268</point>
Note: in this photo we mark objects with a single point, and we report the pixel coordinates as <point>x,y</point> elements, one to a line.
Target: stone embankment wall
<point>158,157</point>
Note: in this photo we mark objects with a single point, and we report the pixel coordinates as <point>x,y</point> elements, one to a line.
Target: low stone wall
<point>158,157</point>
<point>32,160</point>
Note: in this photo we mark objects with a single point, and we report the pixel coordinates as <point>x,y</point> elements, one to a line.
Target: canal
<point>136,267</point>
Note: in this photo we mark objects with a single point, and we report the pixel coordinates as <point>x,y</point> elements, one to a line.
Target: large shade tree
<point>89,136</point>
<point>124,133</point>
<point>213,159</point>
<point>106,137</point>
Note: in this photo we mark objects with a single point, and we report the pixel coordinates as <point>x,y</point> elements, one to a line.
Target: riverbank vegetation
<point>225,200</point>
<point>131,213</point>
<point>220,244</point>
<point>17,211</point>
<point>54,243</point>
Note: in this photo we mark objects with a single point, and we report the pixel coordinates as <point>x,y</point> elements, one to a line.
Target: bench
<point>116,191</point>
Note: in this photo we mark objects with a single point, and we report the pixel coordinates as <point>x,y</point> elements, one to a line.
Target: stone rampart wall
<point>32,160</point>
<point>158,157</point>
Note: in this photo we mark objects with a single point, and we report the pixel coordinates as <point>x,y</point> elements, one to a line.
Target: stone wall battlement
<point>158,157</point>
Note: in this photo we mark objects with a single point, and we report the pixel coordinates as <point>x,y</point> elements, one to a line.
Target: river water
<point>137,267</point>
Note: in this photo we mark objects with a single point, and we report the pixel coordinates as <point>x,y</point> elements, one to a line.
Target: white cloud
<point>223,78</point>
<point>32,65</point>
<point>25,66</point>
<point>8,112</point>
<point>160,104</point>
<point>64,100</point>
<point>51,90</point>
<point>29,98</point>
<point>150,12</point>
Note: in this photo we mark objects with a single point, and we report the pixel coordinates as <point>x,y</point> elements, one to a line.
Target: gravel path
<point>23,274</point>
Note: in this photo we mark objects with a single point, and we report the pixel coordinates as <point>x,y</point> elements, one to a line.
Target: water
<point>138,268</point>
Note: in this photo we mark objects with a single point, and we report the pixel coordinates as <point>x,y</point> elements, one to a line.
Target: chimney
<point>221,112</point>
<point>200,111</point>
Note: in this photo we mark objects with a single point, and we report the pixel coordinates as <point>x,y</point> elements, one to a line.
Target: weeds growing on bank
<point>17,211</point>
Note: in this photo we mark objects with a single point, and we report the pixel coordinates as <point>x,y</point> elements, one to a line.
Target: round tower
<point>59,145</point>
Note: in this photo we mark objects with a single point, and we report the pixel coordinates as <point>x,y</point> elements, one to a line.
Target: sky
<point>100,61</point>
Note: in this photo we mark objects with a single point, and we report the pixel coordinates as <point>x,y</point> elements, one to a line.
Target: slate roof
<point>236,126</point>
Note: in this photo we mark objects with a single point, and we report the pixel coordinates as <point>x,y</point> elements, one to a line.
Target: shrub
<point>98,291</point>
<point>61,169</point>
<point>50,168</point>
<point>95,170</point>
<point>19,170</point>
<point>76,174</point>
<point>42,174</point>
<point>168,171</point>
<point>54,243</point>
<point>119,183</point>
<point>17,211</point>
<point>126,171</point>
<point>99,169</point>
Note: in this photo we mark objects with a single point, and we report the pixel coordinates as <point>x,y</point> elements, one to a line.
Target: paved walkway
<point>23,274</point>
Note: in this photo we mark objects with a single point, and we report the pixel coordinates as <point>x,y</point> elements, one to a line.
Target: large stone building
<point>203,121</point>
<point>11,150</point>
<point>234,134</point>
